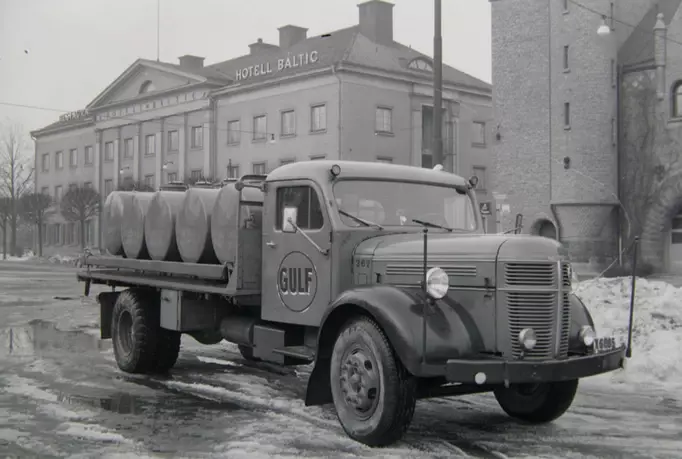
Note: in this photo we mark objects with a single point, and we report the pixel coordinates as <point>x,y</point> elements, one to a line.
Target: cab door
<point>296,257</point>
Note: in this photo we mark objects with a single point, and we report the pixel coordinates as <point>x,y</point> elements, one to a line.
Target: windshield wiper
<point>432,225</point>
<point>360,220</point>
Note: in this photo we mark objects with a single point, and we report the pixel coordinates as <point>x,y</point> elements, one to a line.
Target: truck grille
<point>536,299</point>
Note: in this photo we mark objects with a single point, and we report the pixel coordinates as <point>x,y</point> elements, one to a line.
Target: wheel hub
<point>359,381</point>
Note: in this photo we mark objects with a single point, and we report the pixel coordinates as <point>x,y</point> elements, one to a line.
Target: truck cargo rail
<point>214,272</point>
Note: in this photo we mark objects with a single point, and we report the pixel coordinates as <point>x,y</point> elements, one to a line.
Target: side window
<point>305,199</point>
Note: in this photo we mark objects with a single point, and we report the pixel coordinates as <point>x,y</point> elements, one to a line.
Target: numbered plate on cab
<point>608,343</point>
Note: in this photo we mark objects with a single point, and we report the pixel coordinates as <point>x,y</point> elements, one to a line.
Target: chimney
<point>376,21</point>
<point>289,35</point>
<point>260,46</point>
<point>189,62</point>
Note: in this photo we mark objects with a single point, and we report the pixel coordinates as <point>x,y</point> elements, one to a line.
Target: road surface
<point>61,395</point>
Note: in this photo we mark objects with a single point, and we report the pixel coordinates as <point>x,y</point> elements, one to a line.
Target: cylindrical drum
<point>132,228</point>
<point>193,226</point>
<point>112,219</point>
<point>159,225</point>
<point>224,222</point>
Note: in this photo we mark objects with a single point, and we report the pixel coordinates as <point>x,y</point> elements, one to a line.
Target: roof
<point>639,46</point>
<point>319,170</point>
<point>345,46</point>
<point>64,124</point>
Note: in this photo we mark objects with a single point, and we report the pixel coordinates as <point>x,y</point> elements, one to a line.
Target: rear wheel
<point>537,403</point>
<point>373,393</point>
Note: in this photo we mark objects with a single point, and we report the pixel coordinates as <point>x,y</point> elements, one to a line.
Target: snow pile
<point>657,330</point>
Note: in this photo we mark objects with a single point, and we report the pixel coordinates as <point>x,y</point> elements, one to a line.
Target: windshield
<point>388,203</point>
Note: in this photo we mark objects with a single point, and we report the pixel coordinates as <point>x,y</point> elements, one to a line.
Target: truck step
<point>297,352</point>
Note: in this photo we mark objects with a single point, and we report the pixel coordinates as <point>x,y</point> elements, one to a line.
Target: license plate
<point>607,343</point>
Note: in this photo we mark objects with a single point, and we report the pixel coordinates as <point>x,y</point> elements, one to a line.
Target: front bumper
<point>519,371</point>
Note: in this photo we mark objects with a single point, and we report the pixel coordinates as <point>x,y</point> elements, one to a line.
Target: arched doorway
<point>544,228</point>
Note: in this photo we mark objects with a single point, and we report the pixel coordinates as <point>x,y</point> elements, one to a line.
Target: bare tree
<point>16,173</point>
<point>649,150</point>
<point>35,208</point>
<point>5,212</point>
<point>78,205</point>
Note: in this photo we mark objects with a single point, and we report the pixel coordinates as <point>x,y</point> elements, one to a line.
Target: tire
<point>167,350</point>
<point>382,393</point>
<point>247,353</point>
<point>538,403</point>
<point>135,332</point>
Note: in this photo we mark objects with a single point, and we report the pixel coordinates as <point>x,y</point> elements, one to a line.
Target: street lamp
<point>604,28</point>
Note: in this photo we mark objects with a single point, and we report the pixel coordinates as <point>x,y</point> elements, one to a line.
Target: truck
<point>382,277</point>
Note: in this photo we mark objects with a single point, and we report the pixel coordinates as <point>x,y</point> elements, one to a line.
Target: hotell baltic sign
<point>77,115</point>
<point>289,62</point>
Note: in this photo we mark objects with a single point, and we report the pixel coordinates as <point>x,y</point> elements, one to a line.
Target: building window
<point>88,154</point>
<point>109,151</point>
<point>259,168</point>
<point>260,126</point>
<point>69,234</point>
<point>317,157</point>
<point>383,121</point>
<point>304,198</point>
<point>87,185</point>
<point>147,86</point>
<point>677,100</point>
<point>234,132</point>
<point>480,172</point>
<point>195,175</point>
<point>108,186</point>
<point>73,186</point>
<point>45,190</point>
<point>288,127</point>
<point>479,133</point>
<point>318,118</point>
<point>286,161</point>
<point>128,148</point>
<point>233,171</point>
<point>567,115</point>
<point>197,137</point>
<point>150,145</point>
<point>58,193</point>
<point>172,177</point>
<point>46,162</point>
<point>565,58</point>
<point>420,64</point>
<point>149,180</point>
<point>384,159</point>
<point>73,157</point>
<point>173,141</point>
<point>59,159</point>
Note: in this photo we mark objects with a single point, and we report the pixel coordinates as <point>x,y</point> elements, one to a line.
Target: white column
<point>416,157</point>
<point>182,148</point>
<point>136,153</point>
<point>117,159</point>
<point>159,158</point>
<point>207,148</point>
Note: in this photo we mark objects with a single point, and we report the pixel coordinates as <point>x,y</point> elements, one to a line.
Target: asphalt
<point>61,395</point>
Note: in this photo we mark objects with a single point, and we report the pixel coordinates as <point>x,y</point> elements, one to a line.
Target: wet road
<point>61,395</point>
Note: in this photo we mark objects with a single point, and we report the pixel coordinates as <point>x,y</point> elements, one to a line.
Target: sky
<point>75,48</point>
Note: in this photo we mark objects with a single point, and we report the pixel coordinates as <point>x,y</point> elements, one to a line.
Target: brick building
<point>353,94</point>
<point>585,121</point>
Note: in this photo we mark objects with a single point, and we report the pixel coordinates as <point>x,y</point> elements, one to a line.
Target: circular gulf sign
<point>297,281</point>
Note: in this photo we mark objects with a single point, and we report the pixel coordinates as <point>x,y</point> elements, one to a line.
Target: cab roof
<point>319,170</point>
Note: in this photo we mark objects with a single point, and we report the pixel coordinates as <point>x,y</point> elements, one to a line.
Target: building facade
<point>352,94</point>
<point>586,125</point>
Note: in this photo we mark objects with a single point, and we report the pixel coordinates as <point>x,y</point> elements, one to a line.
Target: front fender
<point>398,311</point>
<point>580,316</point>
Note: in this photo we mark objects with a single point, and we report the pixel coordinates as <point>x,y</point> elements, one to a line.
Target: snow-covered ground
<point>657,334</point>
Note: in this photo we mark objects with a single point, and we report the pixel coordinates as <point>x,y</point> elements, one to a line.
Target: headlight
<point>587,335</point>
<point>527,338</point>
<point>437,283</point>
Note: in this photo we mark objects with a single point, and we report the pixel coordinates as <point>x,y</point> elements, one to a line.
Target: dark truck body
<point>292,303</point>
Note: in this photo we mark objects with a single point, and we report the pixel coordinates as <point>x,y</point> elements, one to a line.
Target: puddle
<point>42,337</point>
<point>121,403</point>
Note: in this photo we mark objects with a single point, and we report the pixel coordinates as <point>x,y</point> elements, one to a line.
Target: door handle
<point>271,244</point>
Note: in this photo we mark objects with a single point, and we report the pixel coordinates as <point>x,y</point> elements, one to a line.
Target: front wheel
<point>373,393</point>
<point>537,403</point>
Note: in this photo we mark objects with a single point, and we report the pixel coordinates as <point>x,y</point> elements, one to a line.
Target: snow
<point>657,332</point>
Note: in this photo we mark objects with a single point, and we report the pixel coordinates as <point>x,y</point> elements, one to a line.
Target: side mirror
<point>289,219</point>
